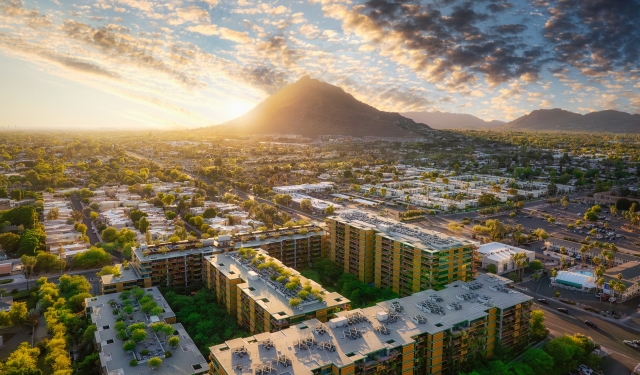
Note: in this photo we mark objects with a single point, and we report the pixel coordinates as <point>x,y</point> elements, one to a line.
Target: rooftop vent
<point>419,319</point>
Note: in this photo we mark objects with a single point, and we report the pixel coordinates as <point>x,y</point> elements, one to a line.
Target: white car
<point>630,343</point>
<point>613,299</point>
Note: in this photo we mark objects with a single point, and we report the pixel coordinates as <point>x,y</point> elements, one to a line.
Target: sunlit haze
<point>138,64</point>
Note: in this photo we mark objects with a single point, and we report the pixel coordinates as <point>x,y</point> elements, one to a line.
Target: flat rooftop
<point>126,275</point>
<point>186,358</point>
<point>410,234</point>
<point>173,252</point>
<point>358,334</point>
<point>271,295</point>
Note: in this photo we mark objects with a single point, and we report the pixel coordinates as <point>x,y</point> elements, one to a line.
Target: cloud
<point>596,36</point>
<point>438,44</point>
<point>222,32</point>
<point>119,45</point>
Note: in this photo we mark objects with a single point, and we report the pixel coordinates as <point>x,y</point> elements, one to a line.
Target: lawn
<point>6,281</point>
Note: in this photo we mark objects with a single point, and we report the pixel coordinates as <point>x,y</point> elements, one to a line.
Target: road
<point>608,334</point>
<point>89,274</point>
<point>77,205</point>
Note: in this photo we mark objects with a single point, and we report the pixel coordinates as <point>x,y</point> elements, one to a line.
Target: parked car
<point>542,300</point>
<point>630,343</point>
<point>563,310</point>
<point>590,324</point>
<point>599,295</point>
<point>613,299</point>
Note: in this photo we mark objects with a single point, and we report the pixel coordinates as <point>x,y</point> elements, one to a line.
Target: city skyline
<point>136,64</point>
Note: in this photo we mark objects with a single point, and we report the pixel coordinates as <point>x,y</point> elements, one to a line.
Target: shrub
<point>133,363</point>
<point>144,352</point>
<point>167,354</point>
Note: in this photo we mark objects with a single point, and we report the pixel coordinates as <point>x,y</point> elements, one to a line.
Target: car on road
<point>542,300</point>
<point>563,310</point>
<point>599,295</point>
<point>630,343</point>
<point>613,299</point>
<point>590,324</point>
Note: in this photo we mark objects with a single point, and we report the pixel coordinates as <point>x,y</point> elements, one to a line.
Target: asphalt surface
<point>77,205</point>
<point>89,274</point>
<point>608,335</point>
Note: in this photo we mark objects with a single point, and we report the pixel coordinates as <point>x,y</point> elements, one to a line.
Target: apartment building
<point>402,257</point>
<point>264,294</point>
<point>294,247</point>
<point>429,332</point>
<point>178,265</point>
<point>185,360</point>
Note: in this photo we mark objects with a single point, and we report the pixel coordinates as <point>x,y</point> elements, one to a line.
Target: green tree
<point>138,335</point>
<point>129,346</point>
<point>110,234</point>
<point>538,359</point>
<point>154,362</point>
<point>22,361</point>
<point>491,268</point>
<point>9,243</point>
<point>109,270</point>
<point>537,326</point>
<point>70,286</point>
<point>28,263</point>
<point>47,262</point>
<point>174,341</point>
<point>305,204</point>
<point>170,215</point>
<point>143,225</point>
<point>92,258</point>
<point>18,313</point>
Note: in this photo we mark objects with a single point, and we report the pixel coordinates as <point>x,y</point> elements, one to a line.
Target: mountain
<point>561,120</point>
<point>311,108</point>
<point>445,120</point>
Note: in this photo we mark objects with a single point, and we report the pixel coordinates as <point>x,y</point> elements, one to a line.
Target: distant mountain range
<point>561,120</point>
<point>445,120</point>
<point>311,108</point>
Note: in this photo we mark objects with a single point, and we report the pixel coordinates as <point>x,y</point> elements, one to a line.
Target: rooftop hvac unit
<point>338,322</point>
<point>382,316</point>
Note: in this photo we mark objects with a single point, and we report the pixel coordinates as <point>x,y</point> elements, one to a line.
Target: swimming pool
<point>588,273</point>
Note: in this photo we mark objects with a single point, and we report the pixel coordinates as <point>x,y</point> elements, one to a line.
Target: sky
<point>145,64</point>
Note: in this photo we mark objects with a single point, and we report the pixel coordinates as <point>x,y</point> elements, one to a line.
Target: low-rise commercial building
<point>429,332</point>
<point>402,257</point>
<point>501,256</point>
<point>264,294</point>
<point>185,360</point>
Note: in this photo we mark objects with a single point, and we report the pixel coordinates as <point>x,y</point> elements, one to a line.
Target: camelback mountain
<point>561,120</point>
<point>311,108</point>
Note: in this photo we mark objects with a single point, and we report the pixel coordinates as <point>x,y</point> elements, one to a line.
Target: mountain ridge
<point>448,120</point>
<point>562,120</point>
<point>311,108</point>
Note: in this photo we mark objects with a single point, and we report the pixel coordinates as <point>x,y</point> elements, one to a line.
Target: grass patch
<point>6,281</point>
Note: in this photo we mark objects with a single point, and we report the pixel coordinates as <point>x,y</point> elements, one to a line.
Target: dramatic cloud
<point>595,36</point>
<point>207,61</point>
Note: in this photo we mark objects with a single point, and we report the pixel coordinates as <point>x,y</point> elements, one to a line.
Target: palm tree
<point>614,211</point>
<point>583,252</point>
<point>600,284</point>
<point>29,262</point>
<point>609,257</point>
<point>519,260</point>
<point>563,250</point>
<point>596,260</point>
<point>63,258</point>
<point>554,274</point>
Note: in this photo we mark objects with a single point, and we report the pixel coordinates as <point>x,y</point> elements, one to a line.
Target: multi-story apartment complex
<point>177,265</point>
<point>264,294</point>
<point>294,247</point>
<point>402,257</point>
<point>429,332</point>
<point>115,360</point>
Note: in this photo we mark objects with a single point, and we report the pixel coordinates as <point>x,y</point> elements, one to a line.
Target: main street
<point>20,282</point>
<point>608,335</point>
